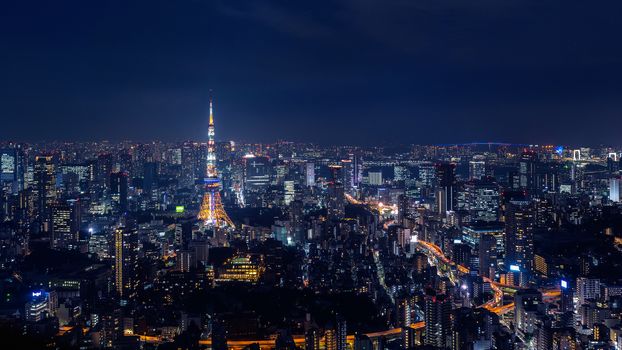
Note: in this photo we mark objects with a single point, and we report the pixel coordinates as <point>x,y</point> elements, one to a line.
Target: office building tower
<point>150,177</point>
<point>11,171</point>
<point>445,187</point>
<point>186,260</point>
<point>526,170</point>
<point>330,338</point>
<point>477,168</point>
<point>257,179</point>
<point>40,306</point>
<point>118,190</point>
<point>437,320</point>
<point>103,170</point>
<point>526,308</point>
<point>335,200</point>
<point>587,289</point>
<point>257,173</point>
<point>427,174</point>
<point>482,200</point>
<point>312,339</point>
<point>126,261</point>
<point>519,227</point>
<point>404,312</point>
<point>65,224</point>
<point>341,333</point>
<point>289,192</point>
<point>375,178</point>
<point>614,189</point>
<point>356,170</point>
<point>44,189</point>
<point>487,255</point>
<point>566,299</point>
<point>310,174</point>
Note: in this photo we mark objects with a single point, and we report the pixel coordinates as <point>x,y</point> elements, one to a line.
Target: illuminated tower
<point>212,211</point>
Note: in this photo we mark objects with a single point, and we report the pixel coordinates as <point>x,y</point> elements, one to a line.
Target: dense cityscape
<point>226,245</point>
<point>310,175</point>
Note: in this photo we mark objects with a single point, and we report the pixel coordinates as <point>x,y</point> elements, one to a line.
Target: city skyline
<point>334,175</point>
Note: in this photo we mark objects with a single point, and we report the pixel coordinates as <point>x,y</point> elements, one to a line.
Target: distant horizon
<point>322,144</point>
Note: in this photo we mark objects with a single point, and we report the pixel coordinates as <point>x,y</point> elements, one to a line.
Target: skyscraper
<point>437,320</point>
<point>118,189</point>
<point>104,168</point>
<point>65,224</point>
<point>11,169</point>
<point>477,168</point>
<point>614,189</point>
<point>445,187</point>
<point>482,200</point>
<point>526,304</point>
<point>527,170</point>
<point>487,255</point>
<point>310,174</point>
<point>44,189</point>
<point>519,226</point>
<point>126,260</point>
<point>335,200</point>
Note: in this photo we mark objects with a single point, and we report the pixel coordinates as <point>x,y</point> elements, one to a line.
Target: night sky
<point>339,72</point>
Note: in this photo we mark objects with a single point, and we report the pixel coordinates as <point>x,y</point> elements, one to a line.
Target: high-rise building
<point>186,260</point>
<point>519,227</point>
<point>310,174</point>
<point>126,261</point>
<point>437,320</point>
<point>527,170</point>
<point>356,170</point>
<point>587,289</point>
<point>118,189</point>
<point>45,189</point>
<point>566,299</point>
<point>341,333</point>
<point>482,200</point>
<point>375,178</point>
<point>150,177</point>
<point>427,174</point>
<point>335,200</point>
<point>487,255</point>
<point>65,224</point>
<point>477,168</point>
<point>526,309</point>
<point>290,192</point>
<point>445,187</point>
<point>312,339</point>
<point>614,189</point>
<point>11,172</point>
<point>103,170</point>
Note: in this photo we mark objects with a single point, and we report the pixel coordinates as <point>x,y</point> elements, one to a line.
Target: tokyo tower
<point>212,212</point>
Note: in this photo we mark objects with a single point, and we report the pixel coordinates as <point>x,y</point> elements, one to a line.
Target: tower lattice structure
<point>212,211</point>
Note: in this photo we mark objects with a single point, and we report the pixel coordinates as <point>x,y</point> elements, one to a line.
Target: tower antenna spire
<point>211,109</point>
